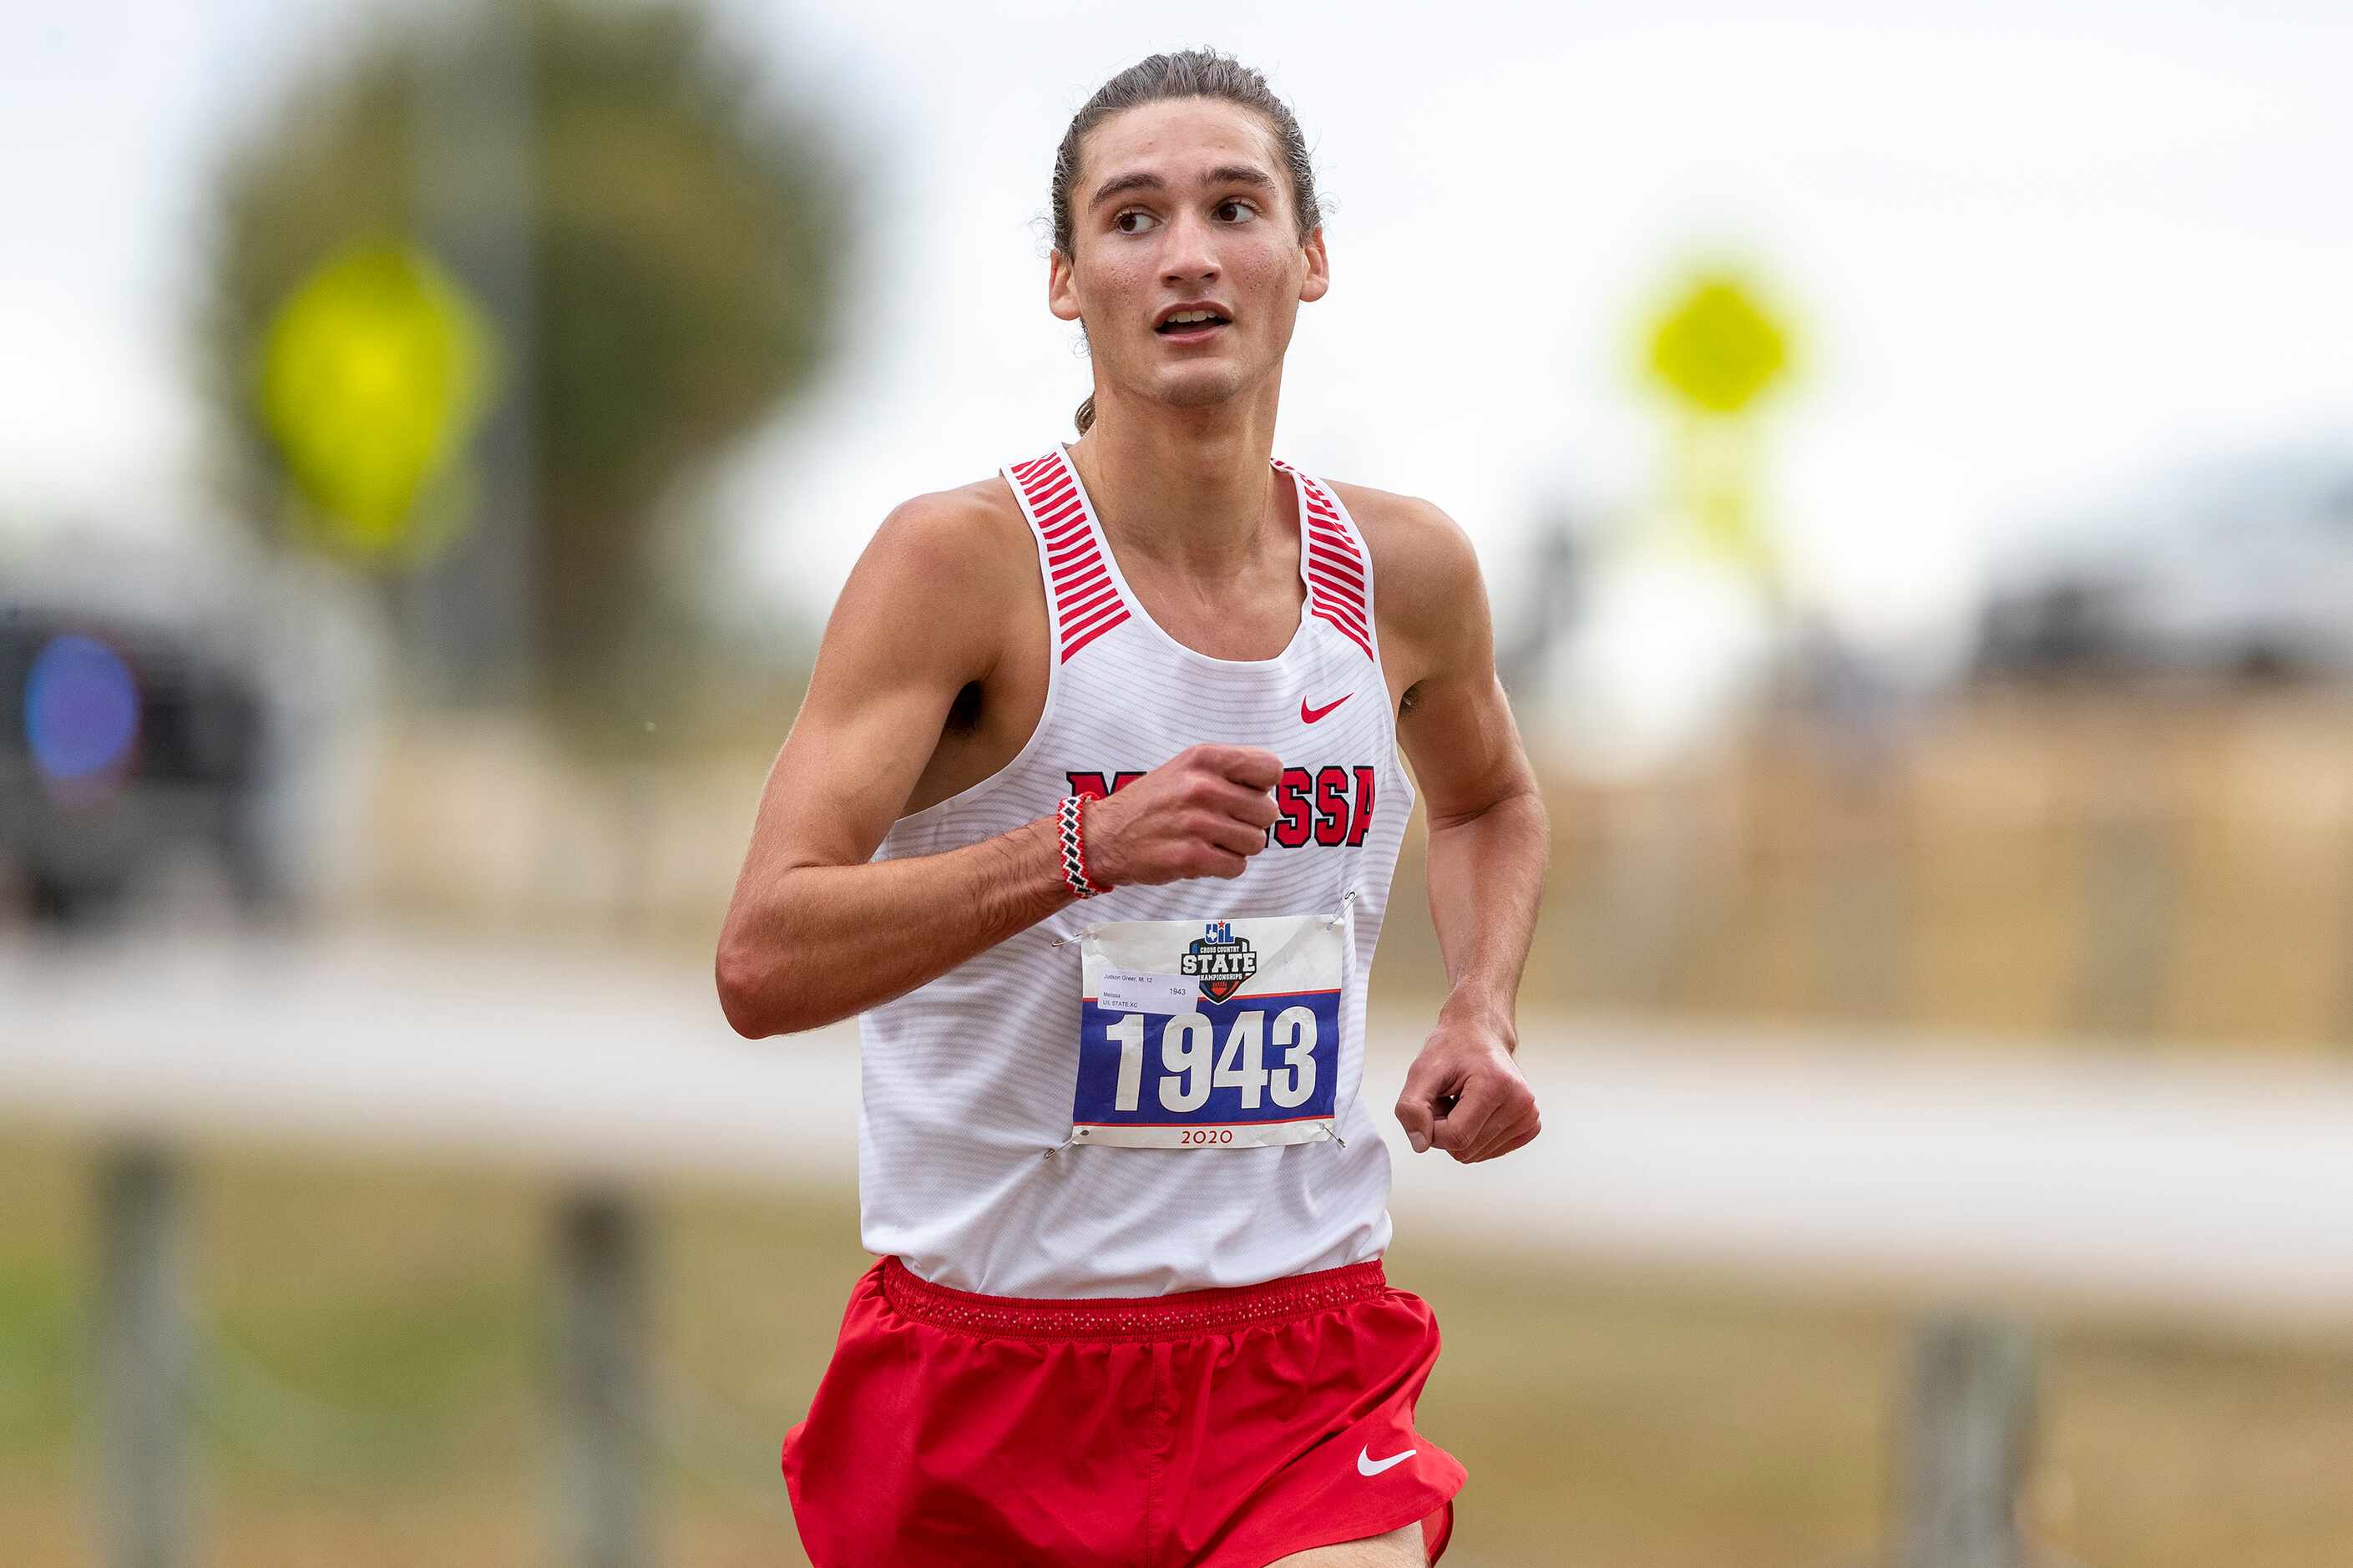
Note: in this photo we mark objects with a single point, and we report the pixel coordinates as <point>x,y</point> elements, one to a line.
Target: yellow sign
<point>373,376</point>
<point>1718,349</point>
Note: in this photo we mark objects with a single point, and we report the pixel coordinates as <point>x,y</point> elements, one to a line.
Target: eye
<point>1121,223</point>
<point>1237,201</point>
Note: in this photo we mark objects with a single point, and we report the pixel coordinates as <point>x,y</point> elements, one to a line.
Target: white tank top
<point>964,1171</point>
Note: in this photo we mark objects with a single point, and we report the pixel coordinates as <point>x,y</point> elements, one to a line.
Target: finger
<point>1422,1102</point>
<point>1514,1110</point>
<point>1414,1116</point>
<point>1224,862</point>
<point>1250,766</point>
<point>1238,837</point>
<point>1460,1129</point>
<point>1255,806</point>
<point>1525,1137</point>
<point>1505,1133</point>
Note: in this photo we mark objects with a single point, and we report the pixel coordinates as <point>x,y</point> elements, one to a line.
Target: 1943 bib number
<point>1186,1043</point>
<point>1248,1071</point>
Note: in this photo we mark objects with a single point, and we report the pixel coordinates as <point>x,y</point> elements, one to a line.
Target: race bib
<point>1210,1034</point>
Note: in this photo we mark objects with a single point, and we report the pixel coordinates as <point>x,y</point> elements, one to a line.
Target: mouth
<point>1192,326</point>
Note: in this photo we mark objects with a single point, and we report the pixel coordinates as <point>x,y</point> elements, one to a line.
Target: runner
<point>1091,812</point>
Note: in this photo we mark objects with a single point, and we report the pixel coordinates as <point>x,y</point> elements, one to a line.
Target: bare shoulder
<point>942,552</point>
<point>971,528</point>
<point>1418,551</point>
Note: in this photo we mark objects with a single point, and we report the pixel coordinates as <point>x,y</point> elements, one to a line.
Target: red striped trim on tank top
<point>1335,568</point>
<point>1086,601</point>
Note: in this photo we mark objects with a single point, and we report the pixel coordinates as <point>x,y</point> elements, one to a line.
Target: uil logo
<point>1220,961</point>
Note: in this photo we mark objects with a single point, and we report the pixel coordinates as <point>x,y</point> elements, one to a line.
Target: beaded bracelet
<point>1071,830</point>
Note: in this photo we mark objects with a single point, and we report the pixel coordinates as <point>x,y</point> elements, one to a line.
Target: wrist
<point>1104,865</point>
<point>1468,1008</point>
<point>1032,868</point>
<point>1082,869</point>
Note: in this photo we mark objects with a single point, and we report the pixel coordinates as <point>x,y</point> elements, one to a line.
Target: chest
<point>1253,618</point>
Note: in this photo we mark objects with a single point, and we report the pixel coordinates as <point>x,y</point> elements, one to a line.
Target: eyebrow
<point>1140,180</point>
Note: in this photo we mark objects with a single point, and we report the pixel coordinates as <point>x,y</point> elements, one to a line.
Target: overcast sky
<point>2030,250</point>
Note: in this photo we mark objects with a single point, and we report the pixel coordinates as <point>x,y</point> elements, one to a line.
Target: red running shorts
<point>1220,1428</point>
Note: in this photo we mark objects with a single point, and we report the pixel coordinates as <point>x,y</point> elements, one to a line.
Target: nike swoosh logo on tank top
<point>1309,715</point>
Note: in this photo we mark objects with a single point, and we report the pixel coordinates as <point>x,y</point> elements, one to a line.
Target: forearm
<point>816,943</point>
<point>1486,876</point>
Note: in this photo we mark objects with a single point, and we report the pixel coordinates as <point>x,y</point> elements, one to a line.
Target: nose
<point>1191,254</point>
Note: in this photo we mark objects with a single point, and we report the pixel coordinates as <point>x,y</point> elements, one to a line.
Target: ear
<point>1318,281</point>
<point>1061,288</point>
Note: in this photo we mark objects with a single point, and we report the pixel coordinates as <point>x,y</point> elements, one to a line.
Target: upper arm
<point>1456,724</point>
<point>915,623</point>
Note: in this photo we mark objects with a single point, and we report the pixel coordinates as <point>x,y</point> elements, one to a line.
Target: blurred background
<point>1912,458</point>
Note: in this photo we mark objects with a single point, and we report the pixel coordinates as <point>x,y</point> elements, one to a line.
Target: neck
<point>1192,487</point>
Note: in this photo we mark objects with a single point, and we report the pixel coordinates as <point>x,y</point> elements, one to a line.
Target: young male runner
<point>1091,812</point>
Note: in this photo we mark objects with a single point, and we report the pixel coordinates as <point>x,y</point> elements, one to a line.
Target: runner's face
<point>1177,202</point>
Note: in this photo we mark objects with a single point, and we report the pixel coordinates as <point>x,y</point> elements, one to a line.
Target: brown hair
<point>1192,73</point>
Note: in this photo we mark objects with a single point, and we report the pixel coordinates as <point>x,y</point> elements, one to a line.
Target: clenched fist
<point>1202,812</point>
<point>1465,1094</point>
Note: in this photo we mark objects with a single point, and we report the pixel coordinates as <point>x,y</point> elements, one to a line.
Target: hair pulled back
<point>1191,73</point>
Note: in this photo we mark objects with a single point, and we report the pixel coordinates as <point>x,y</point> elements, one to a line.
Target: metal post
<point>142,1364</point>
<point>1967,1441</point>
<point>601,1384</point>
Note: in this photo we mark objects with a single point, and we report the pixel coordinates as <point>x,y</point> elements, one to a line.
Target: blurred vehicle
<point>136,730</point>
<point>2236,571</point>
